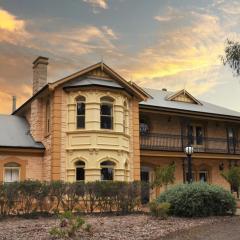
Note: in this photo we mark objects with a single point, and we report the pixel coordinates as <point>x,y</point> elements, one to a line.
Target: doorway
<point>145,190</point>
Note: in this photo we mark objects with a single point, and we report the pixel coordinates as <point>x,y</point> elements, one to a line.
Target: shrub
<point>159,210</point>
<point>32,197</point>
<point>198,200</point>
<point>69,226</point>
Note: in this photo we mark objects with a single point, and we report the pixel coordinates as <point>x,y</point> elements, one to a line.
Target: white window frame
<point>83,100</point>
<point>109,103</point>
<point>12,168</point>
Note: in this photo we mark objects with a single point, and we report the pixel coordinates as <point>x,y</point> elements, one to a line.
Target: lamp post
<point>189,152</point>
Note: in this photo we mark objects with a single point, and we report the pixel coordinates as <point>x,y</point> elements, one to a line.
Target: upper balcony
<point>177,143</point>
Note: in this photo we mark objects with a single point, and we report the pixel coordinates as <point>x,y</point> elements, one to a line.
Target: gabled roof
<point>183,96</point>
<point>75,79</point>
<point>137,91</point>
<point>15,133</point>
<point>160,100</point>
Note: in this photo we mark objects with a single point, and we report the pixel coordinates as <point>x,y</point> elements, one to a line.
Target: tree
<point>164,176</point>
<point>232,56</point>
<point>233,177</point>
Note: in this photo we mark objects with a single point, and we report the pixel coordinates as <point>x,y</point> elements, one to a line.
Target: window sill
<point>97,131</point>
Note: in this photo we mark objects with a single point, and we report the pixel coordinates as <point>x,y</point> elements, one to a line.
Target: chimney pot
<point>39,73</point>
<point>14,103</point>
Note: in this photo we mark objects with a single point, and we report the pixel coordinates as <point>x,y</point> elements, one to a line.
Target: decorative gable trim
<point>107,71</point>
<point>183,96</point>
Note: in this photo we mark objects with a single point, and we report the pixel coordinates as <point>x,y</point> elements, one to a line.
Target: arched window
<point>107,171</point>
<point>80,112</point>
<point>80,170</point>
<point>106,113</point>
<point>11,172</point>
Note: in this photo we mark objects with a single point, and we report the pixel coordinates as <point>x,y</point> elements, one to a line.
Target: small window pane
<point>80,115</point>
<point>80,108</point>
<point>80,121</point>
<point>11,174</point>
<point>107,174</point>
<point>106,122</point>
<point>80,174</point>
<point>106,109</point>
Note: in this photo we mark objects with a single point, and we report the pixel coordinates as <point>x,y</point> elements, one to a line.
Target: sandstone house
<point>95,125</point>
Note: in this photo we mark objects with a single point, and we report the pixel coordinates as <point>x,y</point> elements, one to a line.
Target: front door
<point>145,194</point>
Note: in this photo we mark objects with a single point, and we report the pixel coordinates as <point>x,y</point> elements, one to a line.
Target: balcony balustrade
<point>177,143</point>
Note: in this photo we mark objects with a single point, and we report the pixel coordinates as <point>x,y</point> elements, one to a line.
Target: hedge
<point>198,200</point>
<point>34,196</point>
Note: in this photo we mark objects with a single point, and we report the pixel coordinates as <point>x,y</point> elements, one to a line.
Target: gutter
<point>191,113</point>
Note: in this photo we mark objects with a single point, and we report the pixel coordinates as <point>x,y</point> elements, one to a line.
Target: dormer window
<point>80,112</point>
<point>106,113</point>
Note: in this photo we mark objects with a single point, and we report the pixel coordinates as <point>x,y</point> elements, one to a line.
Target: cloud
<point>163,18</point>
<point>188,54</point>
<point>96,40</point>
<point>169,15</point>
<point>9,22</point>
<point>228,7</point>
<point>12,29</point>
<point>68,49</point>
<point>97,4</point>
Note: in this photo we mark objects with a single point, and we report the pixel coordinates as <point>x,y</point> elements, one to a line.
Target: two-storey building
<point>95,125</point>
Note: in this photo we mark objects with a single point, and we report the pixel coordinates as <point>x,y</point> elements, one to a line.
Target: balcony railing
<point>166,142</point>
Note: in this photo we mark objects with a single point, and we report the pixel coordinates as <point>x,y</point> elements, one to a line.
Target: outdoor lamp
<point>189,152</point>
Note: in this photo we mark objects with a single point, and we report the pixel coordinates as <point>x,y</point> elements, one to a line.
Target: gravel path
<point>227,229</point>
<point>130,227</point>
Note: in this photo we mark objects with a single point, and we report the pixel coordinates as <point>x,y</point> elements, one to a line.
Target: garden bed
<point>134,226</point>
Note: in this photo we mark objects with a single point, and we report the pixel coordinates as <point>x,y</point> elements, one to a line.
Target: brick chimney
<point>39,73</point>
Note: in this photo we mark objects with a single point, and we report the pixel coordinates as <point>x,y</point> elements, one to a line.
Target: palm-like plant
<point>233,177</point>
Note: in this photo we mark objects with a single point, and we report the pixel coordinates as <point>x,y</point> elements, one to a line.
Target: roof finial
<point>102,62</point>
<point>184,87</point>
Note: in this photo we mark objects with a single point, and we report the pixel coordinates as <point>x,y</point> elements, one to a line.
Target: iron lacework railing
<point>169,142</point>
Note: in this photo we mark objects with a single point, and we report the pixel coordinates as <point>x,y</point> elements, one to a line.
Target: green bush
<point>159,210</point>
<point>198,200</point>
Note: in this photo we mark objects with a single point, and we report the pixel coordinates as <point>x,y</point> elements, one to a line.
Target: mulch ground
<point>130,227</point>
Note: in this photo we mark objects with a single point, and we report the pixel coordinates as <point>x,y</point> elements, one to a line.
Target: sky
<point>171,44</point>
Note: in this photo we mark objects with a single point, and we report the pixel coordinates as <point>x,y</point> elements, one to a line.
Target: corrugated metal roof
<point>159,99</point>
<point>14,132</point>
<point>78,82</point>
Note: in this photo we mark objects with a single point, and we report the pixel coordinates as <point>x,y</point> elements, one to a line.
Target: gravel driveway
<point>227,229</point>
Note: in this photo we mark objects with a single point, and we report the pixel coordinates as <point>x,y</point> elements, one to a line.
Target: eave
<point>187,113</point>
